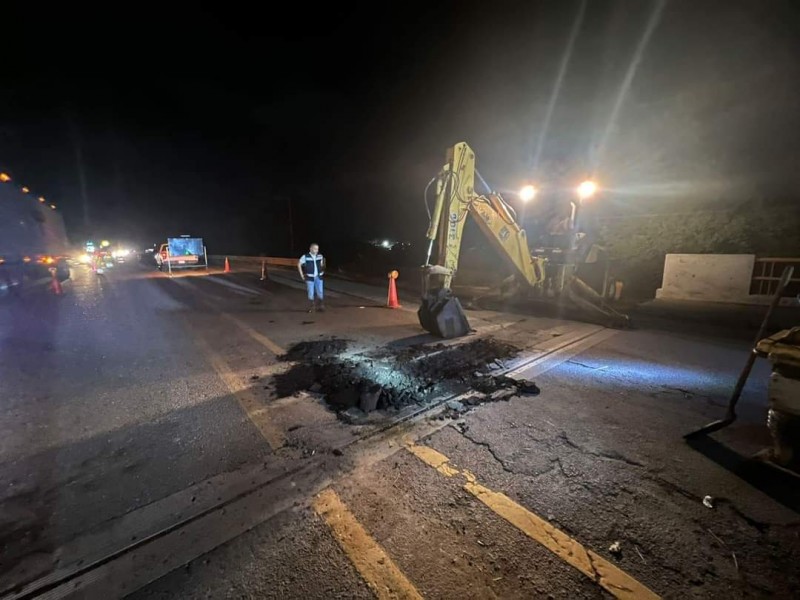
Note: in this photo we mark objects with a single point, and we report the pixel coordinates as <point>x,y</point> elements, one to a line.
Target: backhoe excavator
<point>550,274</point>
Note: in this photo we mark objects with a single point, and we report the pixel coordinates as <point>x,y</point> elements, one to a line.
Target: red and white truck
<point>181,252</point>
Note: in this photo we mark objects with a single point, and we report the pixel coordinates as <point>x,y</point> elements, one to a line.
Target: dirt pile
<point>310,351</point>
<point>395,377</point>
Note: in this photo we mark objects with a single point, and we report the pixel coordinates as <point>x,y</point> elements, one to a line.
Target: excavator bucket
<point>441,314</point>
<point>593,306</point>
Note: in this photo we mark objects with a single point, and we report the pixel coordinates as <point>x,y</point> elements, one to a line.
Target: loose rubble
<point>355,381</point>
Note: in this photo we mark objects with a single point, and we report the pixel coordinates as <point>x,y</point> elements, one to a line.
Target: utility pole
<point>291,227</point>
<point>79,167</point>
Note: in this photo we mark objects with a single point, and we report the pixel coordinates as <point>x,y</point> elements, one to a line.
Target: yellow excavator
<point>549,275</point>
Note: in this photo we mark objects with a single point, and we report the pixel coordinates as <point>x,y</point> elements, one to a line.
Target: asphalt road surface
<point>145,451</point>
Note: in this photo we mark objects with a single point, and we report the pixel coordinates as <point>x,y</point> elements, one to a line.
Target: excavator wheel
<point>441,314</point>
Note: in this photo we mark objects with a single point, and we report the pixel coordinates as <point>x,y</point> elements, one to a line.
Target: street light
<point>527,193</point>
<point>4,177</point>
<point>587,189</point>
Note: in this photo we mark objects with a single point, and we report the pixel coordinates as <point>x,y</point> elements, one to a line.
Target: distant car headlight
<point>84,259</point>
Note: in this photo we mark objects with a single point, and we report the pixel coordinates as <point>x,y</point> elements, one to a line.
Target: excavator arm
<point>456,199</point>
<point>440,312</point>
<point>495,219</point>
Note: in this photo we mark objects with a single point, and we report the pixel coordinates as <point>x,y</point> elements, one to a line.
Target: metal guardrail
<point>767,273</point>
<point>270,261</point>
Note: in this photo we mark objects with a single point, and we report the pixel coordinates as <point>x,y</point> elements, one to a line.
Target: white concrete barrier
<point>708,277</point>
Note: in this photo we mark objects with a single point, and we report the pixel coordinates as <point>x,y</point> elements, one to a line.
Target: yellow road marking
<point>251,405</point>
<point>372,562</point>
<point>259,337</point>
<point>594,566</point>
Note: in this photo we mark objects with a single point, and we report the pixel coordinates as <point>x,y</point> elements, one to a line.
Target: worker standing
<point>311,267</point>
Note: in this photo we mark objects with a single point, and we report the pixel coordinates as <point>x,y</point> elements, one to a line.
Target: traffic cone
<point>227,268</point>
<point>55,284</point>
<point>392,301</point>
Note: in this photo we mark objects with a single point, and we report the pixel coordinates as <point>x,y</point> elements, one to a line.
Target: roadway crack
<point>595,574</point>
<point>585,366</point>
<point>489,448</point>
<point>557,461</point>
<point>607,454</point>
<point>760,526</point>
<point>504,464</point>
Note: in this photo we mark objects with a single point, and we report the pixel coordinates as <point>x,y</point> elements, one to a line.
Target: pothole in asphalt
<point>352,378</point>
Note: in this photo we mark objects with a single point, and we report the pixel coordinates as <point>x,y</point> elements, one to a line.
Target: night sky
<point>142,123</point>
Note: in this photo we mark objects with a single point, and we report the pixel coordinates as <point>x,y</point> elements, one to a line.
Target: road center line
<point>595,567</point>
<point>373,564</point>
<point>257,336</point>
<point>251,405</point>
<point>237,288</point>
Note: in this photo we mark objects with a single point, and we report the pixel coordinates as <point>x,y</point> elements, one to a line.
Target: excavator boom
<point>440,312</point>
<point>455,200</point>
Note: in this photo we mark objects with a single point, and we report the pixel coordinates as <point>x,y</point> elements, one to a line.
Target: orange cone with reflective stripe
<point>227,268</point>
<point>55,284</point>
<point>392,301</point>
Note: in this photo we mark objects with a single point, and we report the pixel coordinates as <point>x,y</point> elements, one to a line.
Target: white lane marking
<point>237,287</point>
<point>289,282</point>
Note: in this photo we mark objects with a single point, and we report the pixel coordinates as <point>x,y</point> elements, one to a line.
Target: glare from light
<point>53,206</point>
<point>122,253</point>
<point>386,243</point>
<point>84,259</point>
<point>527,193</point>
<point>25,190</point>
<point>41,199</point>
<point>105,244</point>
<point>4,177</point>
<point>587,189</point>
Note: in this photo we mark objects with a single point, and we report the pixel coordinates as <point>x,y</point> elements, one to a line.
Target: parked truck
<point>181,252</point>
<point>33,240</point>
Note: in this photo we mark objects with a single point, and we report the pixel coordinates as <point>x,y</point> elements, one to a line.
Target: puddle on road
<point>393,378</point>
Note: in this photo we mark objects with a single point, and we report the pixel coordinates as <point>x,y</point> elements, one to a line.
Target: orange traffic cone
<point>227,268</point>
<point>392,301</point>
<point>55,284</point>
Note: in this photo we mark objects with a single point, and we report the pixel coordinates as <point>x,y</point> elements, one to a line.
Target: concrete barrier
<point>708,277</point>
